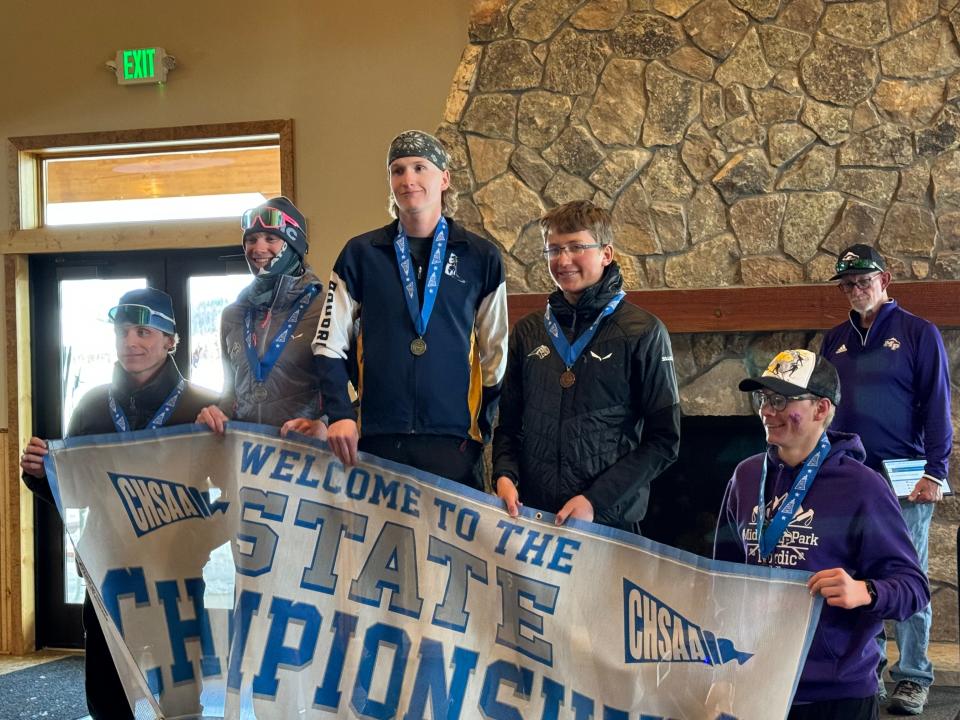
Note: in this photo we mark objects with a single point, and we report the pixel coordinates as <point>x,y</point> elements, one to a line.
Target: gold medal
<point>418,346</point>
<point>567,379</point>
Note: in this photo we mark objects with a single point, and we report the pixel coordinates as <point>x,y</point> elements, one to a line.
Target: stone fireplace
<point>738,143</point>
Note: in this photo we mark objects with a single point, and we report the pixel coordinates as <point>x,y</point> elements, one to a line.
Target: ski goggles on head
<point>864,264</point>
<point>268,217</point>
<point>142,315</point>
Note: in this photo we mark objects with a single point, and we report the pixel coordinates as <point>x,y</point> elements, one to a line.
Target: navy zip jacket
<point>365,333</point>
<point>848,519</point>
<point>896,387</point>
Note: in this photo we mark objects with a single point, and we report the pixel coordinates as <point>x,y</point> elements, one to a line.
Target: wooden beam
<point>125,236</point>
<point>770,309</point>
<point>160,136</point>
<point>17,606</point>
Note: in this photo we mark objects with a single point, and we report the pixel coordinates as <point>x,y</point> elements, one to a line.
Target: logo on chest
<point>451,268</point>
<point>891,343</point>
<point>539,353</point>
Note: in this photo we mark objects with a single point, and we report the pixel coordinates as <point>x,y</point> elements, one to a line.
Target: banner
<point>245,576</point>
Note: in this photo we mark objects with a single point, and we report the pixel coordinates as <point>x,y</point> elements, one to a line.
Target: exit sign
<point>142,65</point>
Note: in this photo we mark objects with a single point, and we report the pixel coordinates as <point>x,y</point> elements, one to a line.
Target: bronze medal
<point>567,379</point>
<point>259,392</point>
<point>418,346</point>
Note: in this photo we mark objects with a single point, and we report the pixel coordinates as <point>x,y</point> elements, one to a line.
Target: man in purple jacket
<point>896,382</point>
<point>810,503</point>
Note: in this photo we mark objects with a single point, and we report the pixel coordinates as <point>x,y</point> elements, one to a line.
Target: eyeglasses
<point>268,217</point>
<point>775,400</point>
<point>847,286</point>
<point>858,264</point>
<point>573,250</point>
<point>136,315</point>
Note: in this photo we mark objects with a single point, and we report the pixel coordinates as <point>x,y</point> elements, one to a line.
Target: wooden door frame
<point>24,237</point>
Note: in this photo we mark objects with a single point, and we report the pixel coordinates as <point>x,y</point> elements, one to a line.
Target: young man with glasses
<point>896,382</point>
<point>265,336</point>
<point>416,319</point>
<point>589,415</point>
<point>809,503</point>
<point>147,392</point>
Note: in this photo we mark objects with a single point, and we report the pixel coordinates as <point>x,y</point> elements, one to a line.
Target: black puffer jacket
<point>92,415</point>
<point>609,435</point>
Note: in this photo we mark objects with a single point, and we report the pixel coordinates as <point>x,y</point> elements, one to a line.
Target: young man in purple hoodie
<point>810,503</point>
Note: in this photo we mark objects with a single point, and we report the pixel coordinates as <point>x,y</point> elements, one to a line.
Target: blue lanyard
<point>569,353</point>
<point>767,541</point>
<point>401,245</point>
<point>121,423</point>
<point>261,367</point>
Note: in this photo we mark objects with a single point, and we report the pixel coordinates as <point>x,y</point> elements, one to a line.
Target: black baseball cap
<point>859,259</point>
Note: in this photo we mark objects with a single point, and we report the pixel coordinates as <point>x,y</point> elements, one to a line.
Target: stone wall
<point>740,142</point>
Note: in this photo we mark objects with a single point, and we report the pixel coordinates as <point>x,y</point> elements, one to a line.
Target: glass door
<point>74,343</point>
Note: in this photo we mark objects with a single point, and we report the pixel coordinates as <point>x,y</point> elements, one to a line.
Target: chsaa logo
<point>152,504</point>
<point>655,632</point>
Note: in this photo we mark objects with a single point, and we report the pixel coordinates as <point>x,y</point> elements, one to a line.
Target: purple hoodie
<point>849,519</point>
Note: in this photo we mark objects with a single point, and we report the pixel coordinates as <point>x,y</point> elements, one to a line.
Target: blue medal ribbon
<point>121,423</point>
<point>569,353</point>
<point>401,245</point>
<point>767,540</point>
<point>261,367</point>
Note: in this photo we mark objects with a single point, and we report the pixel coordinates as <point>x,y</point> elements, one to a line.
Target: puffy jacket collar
<point>841,443</point>
<point>387,234</point>
<point>593,300</point>
<point>288,289</point>
<point>151,395</point>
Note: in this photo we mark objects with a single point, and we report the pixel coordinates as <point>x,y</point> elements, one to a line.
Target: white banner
<point>245,576</point>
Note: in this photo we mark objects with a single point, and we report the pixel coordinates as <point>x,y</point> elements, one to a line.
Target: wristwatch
<point>872,592</point>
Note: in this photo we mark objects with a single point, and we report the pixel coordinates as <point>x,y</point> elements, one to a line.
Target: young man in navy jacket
<point>809,503</point>
<point>415,318</point>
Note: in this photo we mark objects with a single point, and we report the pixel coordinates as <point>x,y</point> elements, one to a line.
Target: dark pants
<point>105,697</point>
<point>846,709</point>
<point>456,458</point>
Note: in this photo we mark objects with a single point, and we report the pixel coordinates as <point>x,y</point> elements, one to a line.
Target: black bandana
<point>414,143</point>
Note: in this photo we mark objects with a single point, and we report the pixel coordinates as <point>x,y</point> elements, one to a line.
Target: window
<point>152,186</point>
<point>138,179</point>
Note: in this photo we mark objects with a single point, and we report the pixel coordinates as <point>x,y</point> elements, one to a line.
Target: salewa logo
<point>654,632</point>
<point>892,343</point>
<point>540,353</point>
<point>601,359</point>
<point>841,349</point>
<point>152,504</point>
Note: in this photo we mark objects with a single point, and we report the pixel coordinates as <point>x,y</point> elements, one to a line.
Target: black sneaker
<point>908,698</point>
